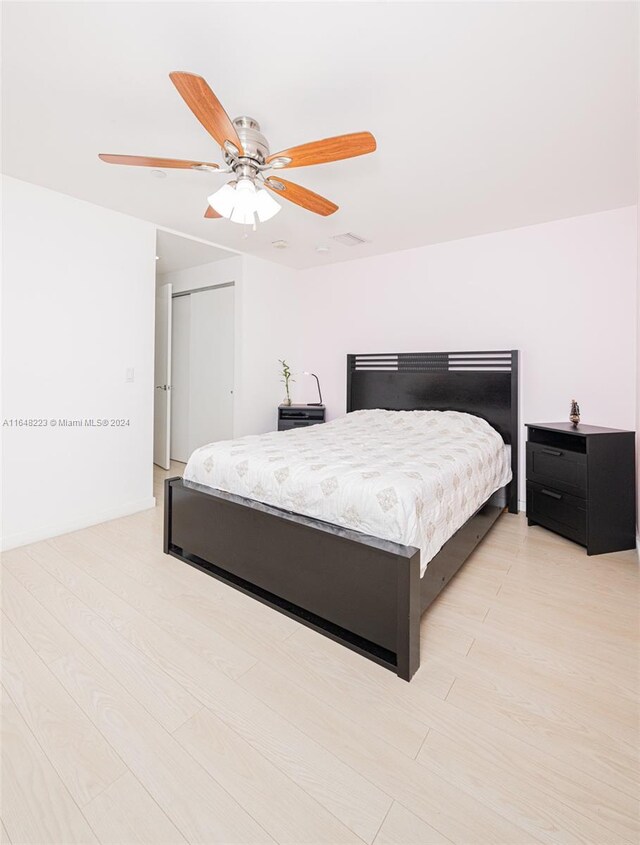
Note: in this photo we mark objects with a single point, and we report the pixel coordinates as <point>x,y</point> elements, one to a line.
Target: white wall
<point>564,293</point>
<point>270,304</point>
<point>78,306</point>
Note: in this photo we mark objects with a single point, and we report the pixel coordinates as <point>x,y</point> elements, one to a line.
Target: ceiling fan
<point>246,154</point>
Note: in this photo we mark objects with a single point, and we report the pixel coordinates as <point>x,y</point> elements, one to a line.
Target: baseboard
<point>13,541</point>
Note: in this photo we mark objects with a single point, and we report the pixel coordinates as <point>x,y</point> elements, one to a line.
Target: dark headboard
<point>481,383</point>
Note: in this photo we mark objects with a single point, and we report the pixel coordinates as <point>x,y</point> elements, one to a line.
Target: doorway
<point>194,353</point>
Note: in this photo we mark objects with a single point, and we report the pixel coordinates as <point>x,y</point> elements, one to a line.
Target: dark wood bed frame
<point>360,591</point>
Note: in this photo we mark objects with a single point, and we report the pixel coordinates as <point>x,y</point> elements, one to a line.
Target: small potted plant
<point>286,378</point>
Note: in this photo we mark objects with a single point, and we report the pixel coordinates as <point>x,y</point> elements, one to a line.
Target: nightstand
<point>299,416</point>
<point>581,484</point>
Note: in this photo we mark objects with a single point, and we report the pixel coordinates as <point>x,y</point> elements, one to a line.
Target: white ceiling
<point>175,252</point>
<point>488,116</point>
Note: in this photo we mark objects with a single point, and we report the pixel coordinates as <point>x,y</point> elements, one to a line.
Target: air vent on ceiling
<point>349,239</point>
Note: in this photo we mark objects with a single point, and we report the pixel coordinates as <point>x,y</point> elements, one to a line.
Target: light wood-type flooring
<point>145,702</point>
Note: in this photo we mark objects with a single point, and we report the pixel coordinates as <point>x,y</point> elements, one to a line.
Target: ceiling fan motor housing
<point>253,142</point>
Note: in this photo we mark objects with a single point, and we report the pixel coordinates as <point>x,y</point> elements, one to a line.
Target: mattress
<point>413,477</point>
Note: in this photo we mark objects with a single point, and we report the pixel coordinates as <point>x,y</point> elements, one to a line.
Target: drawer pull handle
<point>551,494</point>
<point>555,452</point>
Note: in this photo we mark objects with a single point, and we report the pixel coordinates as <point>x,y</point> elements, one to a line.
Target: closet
<point>202,362</point>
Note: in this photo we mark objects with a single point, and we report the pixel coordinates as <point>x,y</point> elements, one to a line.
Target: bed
<point>353,528</point>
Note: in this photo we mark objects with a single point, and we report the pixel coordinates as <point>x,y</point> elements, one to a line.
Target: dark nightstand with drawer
<point>581,484</point>
<point>298,416</point>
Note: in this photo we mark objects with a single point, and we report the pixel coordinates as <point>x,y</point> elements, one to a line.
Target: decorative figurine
<point>574,413</point>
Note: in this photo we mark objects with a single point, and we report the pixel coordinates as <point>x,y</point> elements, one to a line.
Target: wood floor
<point>144,702</point>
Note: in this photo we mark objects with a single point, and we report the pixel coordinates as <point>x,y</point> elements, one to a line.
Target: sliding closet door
<point>211,366</point>
<point>202,364</point>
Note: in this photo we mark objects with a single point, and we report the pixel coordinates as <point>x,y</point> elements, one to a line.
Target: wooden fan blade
<point>211,212</point>
<point>301,196</point>
<point>330,149</point>
<point>206,107</point>
<point>146,161</point>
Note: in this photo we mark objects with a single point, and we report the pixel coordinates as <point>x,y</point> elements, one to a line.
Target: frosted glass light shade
<point>223,200</point>
<point>240,216</point>
<point>266,206</point>
<point>245,188</point>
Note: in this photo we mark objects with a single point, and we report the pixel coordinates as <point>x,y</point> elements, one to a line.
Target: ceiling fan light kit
<point>240,201</point>
<point>246,152</point>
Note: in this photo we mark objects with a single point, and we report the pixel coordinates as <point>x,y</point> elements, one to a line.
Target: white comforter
<point>410,476</point>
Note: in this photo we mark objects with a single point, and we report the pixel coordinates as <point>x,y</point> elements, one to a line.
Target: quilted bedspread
<point>413,477</point>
